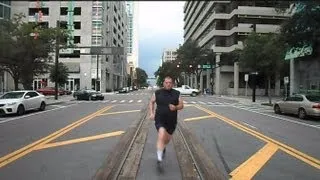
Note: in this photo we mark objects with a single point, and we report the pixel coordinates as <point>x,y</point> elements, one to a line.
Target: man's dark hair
<point>168,77</point>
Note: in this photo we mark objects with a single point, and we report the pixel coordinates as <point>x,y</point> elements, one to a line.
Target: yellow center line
<point>29,148</point>
<point>250,167</point>
<point>79,140</point>
<point>119,112</point>
<point>299,155</point>
<point>198,118</point>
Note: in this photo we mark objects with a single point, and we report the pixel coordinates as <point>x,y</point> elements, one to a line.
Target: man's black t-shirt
<point>163,99</point>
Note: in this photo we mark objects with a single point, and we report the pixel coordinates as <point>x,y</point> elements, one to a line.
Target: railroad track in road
<point>124,161</point>
<point>195,164</point>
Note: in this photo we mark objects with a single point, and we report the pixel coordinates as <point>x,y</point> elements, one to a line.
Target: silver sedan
<point>299,104</point>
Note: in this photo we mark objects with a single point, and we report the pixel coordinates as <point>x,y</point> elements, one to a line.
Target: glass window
<point>12,95</point>
<point>77,40</point>
<point>77,11</point>
<point>63,11</point>
<point>1,11</point>
<point>33,94</point>
<point>313,98</point>
<point>7,12</point>
<point>77,25</point>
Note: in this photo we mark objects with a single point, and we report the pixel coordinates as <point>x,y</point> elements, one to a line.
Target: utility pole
<point>254,74</point>
<point>97,72</point>
<point>57,60</point>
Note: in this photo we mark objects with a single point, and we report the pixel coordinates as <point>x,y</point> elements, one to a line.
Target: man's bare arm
<point>151,104</point>
<point>180,105</point>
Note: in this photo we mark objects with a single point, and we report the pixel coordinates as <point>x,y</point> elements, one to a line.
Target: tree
<point>264,54</point>
<point>303,27</point>
<point>168,68</point>
<point>190,55</point>
<point>22,55</point>
<point>141,77</point>
<point>62,74</point>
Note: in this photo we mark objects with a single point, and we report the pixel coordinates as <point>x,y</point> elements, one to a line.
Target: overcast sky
<point>160,26</point>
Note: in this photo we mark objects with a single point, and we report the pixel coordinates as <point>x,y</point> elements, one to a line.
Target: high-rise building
<point>91,23</point>
<point>223,26</point>
<point>133,46</point>
<point>5,80</point>
<point>169,55</point>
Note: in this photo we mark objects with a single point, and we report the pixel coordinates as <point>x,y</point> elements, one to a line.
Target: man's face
<point>167,84</point>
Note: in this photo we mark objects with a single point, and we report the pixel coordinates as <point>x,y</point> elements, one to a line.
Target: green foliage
<point>141,77</point>
<point>20,54</point>
<point>262,53</point>
<point>62,74</point>
<point>168,68</point>
<point>303,27</point>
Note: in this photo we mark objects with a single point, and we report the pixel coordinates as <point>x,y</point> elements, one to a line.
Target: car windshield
<point>313,98</point>
<point>12,95</point>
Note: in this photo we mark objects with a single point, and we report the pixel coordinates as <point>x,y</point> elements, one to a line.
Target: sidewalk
<point>248,99</point>
<point>61,99</point>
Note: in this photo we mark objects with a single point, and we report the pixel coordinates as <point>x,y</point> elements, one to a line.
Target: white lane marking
<point>210,102</point>
<point>185,102</point>
<point>113,101</point>
<point>139,101</point>
<point>130,101</point>
<point>317,125</point>
<point>201,102</point>
<point>55,105</point>
<point>122,101</point>
<point>249,125</point>
<point>193,102</point>
<point>285,119</point>
<point>106,101</point>
<point>33,114</point>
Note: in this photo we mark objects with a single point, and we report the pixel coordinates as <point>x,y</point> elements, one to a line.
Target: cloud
<point>160,26</point>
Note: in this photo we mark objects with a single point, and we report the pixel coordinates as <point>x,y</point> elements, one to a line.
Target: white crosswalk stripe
<point>122,101</point>
<point>201,102</point>
<point>139,101</point>
<point>130,101</point>
<point>113,101</point>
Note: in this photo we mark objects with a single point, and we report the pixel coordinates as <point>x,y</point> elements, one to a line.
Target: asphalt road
<point>253,143</point>
<point>67,141</point>
<point>71,140</point>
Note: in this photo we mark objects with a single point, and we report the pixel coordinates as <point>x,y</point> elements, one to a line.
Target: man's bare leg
<point>163,140</point>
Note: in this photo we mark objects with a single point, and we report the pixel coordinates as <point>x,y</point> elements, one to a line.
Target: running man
<point>168,102</point>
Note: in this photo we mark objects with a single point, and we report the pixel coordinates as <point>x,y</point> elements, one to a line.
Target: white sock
<point>159,153</point>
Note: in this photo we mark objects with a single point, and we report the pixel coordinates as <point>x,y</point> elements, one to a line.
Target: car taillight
<point>317,106</point>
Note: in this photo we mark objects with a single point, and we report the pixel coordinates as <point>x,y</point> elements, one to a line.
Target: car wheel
<point>193,94</point>
<point>20,110</point>
<point>42,106</point>
<point>302,113</point>
<point>78,98</point>
<point>277,109</point>
<point>102,98</point>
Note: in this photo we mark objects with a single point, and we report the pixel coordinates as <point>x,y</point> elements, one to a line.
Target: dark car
<point>89,95</point>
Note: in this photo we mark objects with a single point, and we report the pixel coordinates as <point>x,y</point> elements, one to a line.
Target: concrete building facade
<point>169,55</point>
<point>6,82</point>
<point>223,26</point>
<point>133,39</point>
<point>92,23</point>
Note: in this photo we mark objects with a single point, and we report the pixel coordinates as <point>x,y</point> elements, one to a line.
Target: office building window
<point>63,11</point>
<point>77,25</point>
<point>33,11</point>
<point>63,24</point>
<point>77,40</point>
<point>77,11</point>
<point>1,10</point>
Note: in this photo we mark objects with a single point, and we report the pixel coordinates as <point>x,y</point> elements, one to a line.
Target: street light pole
<point>255,74</point>
<point>57,60</point>
<point>97,72</point>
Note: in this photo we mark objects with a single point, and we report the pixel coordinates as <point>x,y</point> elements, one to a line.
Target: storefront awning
<point>72,67</point>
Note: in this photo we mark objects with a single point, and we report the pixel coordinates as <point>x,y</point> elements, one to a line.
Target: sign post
<point>246,78</point>
<point>286,82</point>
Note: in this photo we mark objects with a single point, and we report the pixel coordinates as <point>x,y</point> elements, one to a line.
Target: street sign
<point>286,80</point>
<point>246,77</point>
<point>205,66</point>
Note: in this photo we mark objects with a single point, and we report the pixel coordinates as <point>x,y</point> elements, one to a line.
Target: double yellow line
<point>293,152</point>
<point>36,145</point>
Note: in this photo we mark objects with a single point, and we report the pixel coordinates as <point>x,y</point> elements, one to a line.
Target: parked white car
<point>299,104</point>
<point>187,90</point>
<point>18,102</point>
